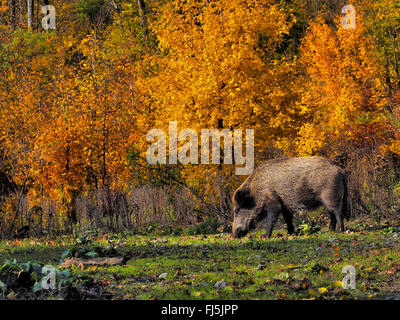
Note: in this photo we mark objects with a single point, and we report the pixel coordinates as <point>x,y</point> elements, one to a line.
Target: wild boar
<point>290,186</point>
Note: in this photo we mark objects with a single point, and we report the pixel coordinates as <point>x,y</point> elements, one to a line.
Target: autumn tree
<point>344,93</point>
<point>219,67</point>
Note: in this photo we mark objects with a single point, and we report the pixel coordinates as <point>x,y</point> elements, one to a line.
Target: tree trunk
<point>13,14</point>
<point>143,19</point>
<point>29,10</point>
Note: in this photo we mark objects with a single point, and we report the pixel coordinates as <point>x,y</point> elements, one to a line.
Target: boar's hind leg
<point>334,206</point>
<point>288,217</point>
<point>339,220</point>
<point>336,218</point>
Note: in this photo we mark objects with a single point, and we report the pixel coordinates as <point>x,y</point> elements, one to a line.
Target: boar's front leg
<point>273,210</point>
<point>332,226</point>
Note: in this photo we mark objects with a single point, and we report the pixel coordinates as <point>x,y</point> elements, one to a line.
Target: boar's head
<point>246,214</point>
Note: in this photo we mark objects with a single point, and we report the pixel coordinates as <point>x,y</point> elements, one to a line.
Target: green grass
<point>283,267</point>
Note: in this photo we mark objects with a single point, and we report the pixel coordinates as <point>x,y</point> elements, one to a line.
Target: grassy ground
<point>219,267</point>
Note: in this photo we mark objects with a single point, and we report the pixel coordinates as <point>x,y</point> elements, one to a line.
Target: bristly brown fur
<point>290,186</point>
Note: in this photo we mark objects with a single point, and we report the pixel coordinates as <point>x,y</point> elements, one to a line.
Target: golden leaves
<point>344,87</point>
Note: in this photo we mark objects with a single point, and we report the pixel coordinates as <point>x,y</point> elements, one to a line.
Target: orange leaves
<point>345,89</point>
<point>3,6</point>
<point>86,142</point>
<point>64,130</point>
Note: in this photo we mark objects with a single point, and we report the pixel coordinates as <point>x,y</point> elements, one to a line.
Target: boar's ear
<point>244,199</point>
<point>239,197</point>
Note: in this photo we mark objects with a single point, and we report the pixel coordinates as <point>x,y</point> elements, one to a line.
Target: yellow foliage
<point>344,92</point>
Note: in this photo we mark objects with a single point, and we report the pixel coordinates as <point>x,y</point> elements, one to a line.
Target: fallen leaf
<point>322,290</point>
<point>220,284</point>
<point>364,287</point>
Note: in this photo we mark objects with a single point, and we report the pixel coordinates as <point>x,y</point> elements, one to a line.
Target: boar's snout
<point>238,232</point>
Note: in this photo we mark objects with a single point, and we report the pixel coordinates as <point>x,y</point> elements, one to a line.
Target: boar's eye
<point>249,203</point>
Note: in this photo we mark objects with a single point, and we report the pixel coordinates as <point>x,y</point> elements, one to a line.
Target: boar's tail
<point>345,203</point>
